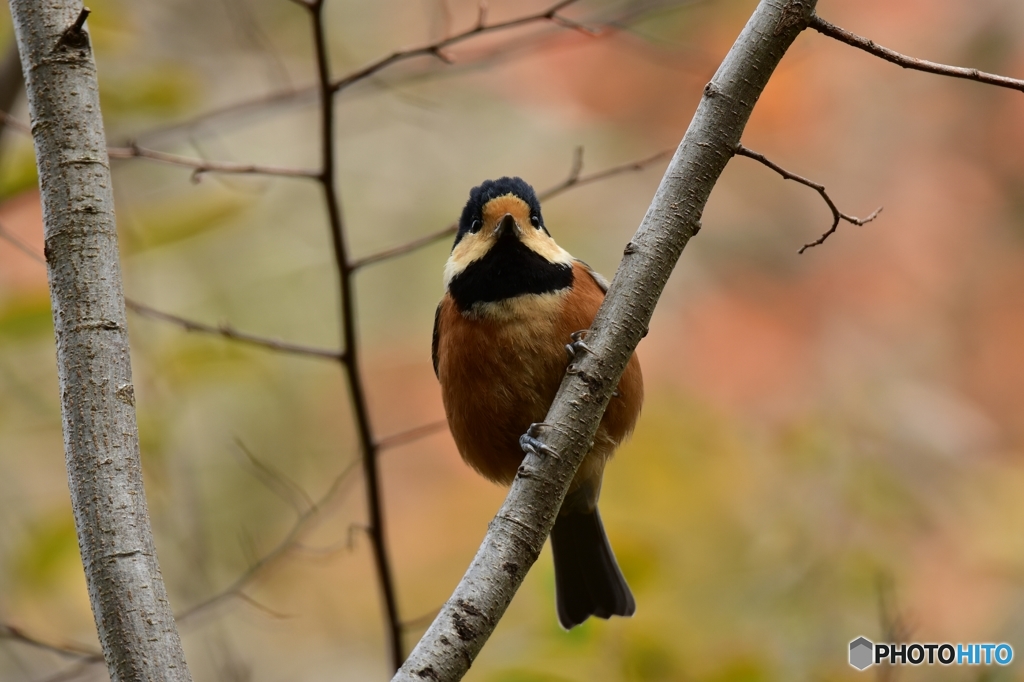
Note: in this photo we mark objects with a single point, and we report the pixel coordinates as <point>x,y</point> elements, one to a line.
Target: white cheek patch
<point>470,248</point>
<point>540,243</point>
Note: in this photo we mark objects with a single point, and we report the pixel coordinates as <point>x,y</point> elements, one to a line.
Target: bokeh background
<point>831,444</point>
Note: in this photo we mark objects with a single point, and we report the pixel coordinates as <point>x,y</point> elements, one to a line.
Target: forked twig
<point>837,215</point>
<point>200,166</point>
<point>436,48</point>
<point>287,543</point>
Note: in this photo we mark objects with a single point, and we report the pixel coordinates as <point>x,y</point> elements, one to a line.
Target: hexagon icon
<point>861,650</point>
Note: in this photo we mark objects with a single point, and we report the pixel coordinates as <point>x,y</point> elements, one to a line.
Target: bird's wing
<point>433,343</point>
<point>599,279</point>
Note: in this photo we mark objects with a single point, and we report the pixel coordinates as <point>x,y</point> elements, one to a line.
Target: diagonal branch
<point>574,179</point>
<point>516,535</point>
<point>77,651</point>
<point>9,236</point>
<point>837,215</point>
<point>411,435</point>
<point>861,43</point>
<point>229,332</point>
<point>200,166</point>
<point>437,48</point>
<point>290,541</point>
<point>224,330</point>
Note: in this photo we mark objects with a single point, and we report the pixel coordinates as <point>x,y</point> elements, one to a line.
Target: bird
<point>513,299</point>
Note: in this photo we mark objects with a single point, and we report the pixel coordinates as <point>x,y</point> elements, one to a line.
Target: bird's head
<point>503,249</point>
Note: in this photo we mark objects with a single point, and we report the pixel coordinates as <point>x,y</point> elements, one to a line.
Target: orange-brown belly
<point>499,373</point>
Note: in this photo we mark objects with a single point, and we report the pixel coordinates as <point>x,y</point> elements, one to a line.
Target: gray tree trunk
<point>517,533</point>
<point>129,602</point>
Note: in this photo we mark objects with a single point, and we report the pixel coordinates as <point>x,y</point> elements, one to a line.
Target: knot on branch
<point>74,36</point>
<point>793,15</point>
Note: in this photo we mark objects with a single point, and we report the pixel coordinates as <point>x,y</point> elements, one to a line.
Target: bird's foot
<point>577,345</point>
<point>529,444</point>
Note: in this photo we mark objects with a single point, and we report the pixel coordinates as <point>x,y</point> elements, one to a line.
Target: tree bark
<point>517,533</point>
<point>129,601</point>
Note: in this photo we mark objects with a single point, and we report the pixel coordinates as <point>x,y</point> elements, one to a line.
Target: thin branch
<point>82,653</point>
<point>574,179</point>
<point>517,533</point>
<point>420,622</point>
<point>229,332</point>
<point>290,95</point>
<point>224,330</point>
<point>837,215</point>
<point>21,246</point>
<point>854,40</point>
<point>350,362</point>
<point>411,435</point>
<point>277,482</point>
<point>287,543</point>
<point>15,124</point>
<point>200,166</point>
<point>72,672</point>
<point>262,607</point>
<point>436,49</point>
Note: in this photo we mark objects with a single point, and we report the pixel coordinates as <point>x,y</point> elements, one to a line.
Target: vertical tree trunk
<point>129,601</point>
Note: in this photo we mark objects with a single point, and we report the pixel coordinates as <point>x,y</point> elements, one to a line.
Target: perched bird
<point>513,300</point>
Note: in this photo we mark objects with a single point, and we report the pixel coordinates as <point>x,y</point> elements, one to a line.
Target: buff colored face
<point>473,246</point>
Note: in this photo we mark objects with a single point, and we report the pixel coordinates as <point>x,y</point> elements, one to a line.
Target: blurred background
<point>831,444</point>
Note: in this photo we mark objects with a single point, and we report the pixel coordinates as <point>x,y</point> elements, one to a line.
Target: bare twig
<point>11,80</point>
<point>411,435</point>
<point>229,332</point>
<point>574,179</point>
<point>82,653</point>
<point>200,166</point>
<point>436,48</point>
<point>290,541</point>
<point>837,215</point>
<point>350,361</point>
<point>224,330</point>
<point>21,246</point>
<point>854,40</point>
<point>517,533</point>
<point>277,482</point>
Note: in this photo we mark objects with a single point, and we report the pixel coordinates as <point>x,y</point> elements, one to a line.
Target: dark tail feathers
<point>588,581</point>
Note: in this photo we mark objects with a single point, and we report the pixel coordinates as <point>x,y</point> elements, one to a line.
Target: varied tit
<point>513,300</point>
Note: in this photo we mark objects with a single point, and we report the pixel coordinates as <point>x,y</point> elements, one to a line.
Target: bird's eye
<point>474,227</point>
<point>535,221</point>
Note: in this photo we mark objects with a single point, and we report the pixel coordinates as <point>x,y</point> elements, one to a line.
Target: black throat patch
<point>509,269</point>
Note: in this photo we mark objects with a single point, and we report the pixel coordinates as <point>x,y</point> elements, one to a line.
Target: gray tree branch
<point>11,82</point>
<point>129,601</point>
<point>517,533</point>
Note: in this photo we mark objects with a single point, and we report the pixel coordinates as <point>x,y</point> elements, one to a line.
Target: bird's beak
<point>506,224</point>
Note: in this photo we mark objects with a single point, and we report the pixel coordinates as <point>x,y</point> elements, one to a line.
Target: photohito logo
<point>865,653</point>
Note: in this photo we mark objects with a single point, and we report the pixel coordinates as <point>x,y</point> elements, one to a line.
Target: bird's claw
<point>577,345</point>
<point>529,443</point>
